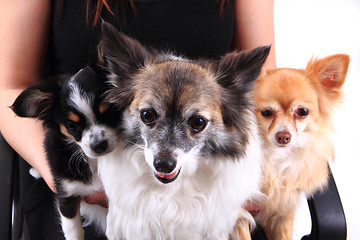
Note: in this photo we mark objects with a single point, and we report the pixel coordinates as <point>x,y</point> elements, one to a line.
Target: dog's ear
<point>85,77</point>
<point>37,100</point>
<point>330,72</point>
<point>238,71</point>
<point>121,54</point>
<point>85,73</point>
<point>122,57</point>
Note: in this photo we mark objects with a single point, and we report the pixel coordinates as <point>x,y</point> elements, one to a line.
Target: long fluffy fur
<point>302,164</point>
<point>204,206</point>
<point>219,165</point>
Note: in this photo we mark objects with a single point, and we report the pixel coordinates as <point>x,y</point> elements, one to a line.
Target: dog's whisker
<point>135,144</point>
<point>75,160</point>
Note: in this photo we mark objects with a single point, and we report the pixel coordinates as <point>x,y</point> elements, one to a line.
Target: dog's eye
<point>71,126</point>
<point>301,112</point>
<point>148,117</point>
<point>266,113</point>
<point>197,124</point>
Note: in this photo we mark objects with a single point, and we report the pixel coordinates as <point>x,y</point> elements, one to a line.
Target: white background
<point>307,28</point>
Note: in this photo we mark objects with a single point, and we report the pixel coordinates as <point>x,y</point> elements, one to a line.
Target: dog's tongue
<point>166,176</point>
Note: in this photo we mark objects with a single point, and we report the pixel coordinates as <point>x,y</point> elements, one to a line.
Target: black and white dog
<point>189,155</point>
<point>80,127</point>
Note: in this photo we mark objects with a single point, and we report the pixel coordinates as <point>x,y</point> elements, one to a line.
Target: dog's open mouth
<point>167,178</point>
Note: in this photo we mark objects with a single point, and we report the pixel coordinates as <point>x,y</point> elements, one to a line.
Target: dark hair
<point>94,8</point>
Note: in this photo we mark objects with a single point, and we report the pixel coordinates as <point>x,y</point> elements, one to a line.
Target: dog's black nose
<point>283,137</point>
<point>165,165</point>
<point>99,147</point>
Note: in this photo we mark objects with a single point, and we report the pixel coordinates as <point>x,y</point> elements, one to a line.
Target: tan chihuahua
<point>294,110</point>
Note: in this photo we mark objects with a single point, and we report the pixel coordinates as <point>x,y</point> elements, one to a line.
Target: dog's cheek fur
<point>226,142</point>
<point>75,170</point>
<point>131,129</point>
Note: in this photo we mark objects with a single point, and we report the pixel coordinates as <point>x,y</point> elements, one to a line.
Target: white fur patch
<point>82,102</point>
<point>203,204</point>
<point>79,188</point>
<point>95,214</point>
<point>72,227</point>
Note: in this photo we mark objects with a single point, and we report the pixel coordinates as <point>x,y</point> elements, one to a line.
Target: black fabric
<point>191,28</point>
<point>6,187</point>
<point>40,216</point>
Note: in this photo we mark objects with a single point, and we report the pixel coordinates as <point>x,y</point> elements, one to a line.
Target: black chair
<point>7,177</point>
<point>327,214</point>
<point>12,186</point>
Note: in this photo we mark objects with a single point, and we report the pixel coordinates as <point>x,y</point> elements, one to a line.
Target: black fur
<point>69,206</point>
<point>49,101</point>
<point>238,72</point>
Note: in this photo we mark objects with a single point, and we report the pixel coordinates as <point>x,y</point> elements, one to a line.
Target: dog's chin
<point>167,178</point>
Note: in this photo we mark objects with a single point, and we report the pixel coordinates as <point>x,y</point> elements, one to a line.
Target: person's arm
<point>24,29</point>
<point>254,26</point>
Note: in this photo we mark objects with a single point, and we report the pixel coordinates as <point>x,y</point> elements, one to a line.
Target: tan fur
<point>65,132</point>
<point>103,107</point>
<point>151,83</point>
<point>74,117</point>
<point>303,166</point>
<point>242,230</point>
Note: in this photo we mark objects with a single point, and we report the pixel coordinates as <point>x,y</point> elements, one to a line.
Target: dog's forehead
<point>181,78</point>
<point>178,83</point>
<point>287,87</point>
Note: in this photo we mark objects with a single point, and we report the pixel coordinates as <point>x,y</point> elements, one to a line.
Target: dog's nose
<point>99,147</point>
<point>283,137</point>
<point>164,165</point>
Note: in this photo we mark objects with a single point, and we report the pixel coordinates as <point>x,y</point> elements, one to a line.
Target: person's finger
<point>97,198</point>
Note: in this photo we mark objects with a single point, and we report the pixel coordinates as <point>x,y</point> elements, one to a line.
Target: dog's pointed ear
<point>330,72</point>
<point>241,69</point>
<point>121,54</point>
<point>122,57</point>
<point>85,76</point>
<point>36,101</point>
<point>85,73</point>
<point>238,71</point>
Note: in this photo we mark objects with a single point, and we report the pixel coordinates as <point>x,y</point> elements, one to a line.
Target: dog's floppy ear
<point>121,54</point>
<point>330,72</point>
<point>37,100</point>
<point>238,71</point>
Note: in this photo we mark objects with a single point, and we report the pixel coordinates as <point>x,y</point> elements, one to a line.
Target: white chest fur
<point>203,206</point>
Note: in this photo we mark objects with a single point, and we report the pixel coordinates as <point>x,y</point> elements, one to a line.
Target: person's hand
<point>98,198</point>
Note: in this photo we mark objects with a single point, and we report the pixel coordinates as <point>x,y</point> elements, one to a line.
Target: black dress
<point>190,28</point>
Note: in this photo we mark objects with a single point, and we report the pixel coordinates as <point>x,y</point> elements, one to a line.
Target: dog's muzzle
<point>165,170</point>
